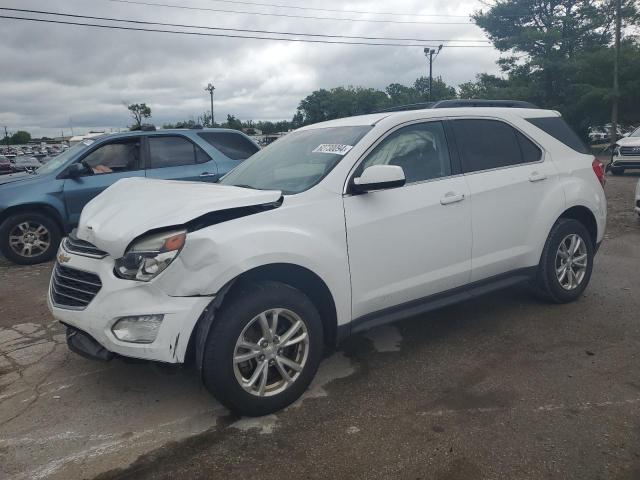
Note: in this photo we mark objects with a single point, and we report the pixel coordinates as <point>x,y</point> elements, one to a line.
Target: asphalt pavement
<point>502,387</point>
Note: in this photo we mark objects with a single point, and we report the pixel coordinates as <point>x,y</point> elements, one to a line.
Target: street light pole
<point>210,88</point>
<point>613,133</point>
<point>429,52</point>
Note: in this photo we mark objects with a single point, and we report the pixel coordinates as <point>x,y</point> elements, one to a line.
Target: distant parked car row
<point>23,163</point>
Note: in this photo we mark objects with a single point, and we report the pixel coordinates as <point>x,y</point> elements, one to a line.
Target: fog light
<point>137,329</point>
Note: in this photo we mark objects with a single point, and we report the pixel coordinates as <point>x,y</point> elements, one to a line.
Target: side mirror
<point>378,177</point>
<point>77,170</point>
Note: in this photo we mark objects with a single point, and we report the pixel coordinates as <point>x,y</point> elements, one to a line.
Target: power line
<point>244,12</point>
<point>271,32</point>
<point>224,35</point>
<point>395,14</point>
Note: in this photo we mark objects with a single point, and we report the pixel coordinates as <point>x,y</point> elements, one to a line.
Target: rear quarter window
<point>233,145</point>
<point>558,129</point>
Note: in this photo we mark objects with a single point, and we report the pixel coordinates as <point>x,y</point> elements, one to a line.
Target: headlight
<point>150,255</point>
<point>616,151</point>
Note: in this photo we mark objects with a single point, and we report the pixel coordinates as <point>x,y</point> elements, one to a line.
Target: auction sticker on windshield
<point>335,148</point>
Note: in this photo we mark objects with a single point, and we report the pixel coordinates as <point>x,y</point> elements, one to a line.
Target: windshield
<point>297,161</point>
<point>61,159</point>
<point>635,133</point>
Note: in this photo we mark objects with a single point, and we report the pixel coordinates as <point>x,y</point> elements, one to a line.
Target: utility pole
<point>6,136</point>
<point>429,52</point>
<point>210,88</point>
<point>613,135</point>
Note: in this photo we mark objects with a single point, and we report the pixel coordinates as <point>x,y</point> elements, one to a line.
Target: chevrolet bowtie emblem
<point>62,258</point>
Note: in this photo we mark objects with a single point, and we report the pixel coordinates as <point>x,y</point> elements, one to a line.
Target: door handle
<point>537,177</point>
<point>207,174</point>
<point>451,197</point>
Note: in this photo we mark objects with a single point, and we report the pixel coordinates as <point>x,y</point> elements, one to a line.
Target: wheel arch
<point>41,208</point>
<point>586,217</point>
<point>301,278</point>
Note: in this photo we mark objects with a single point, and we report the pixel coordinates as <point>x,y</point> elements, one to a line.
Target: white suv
<point>333,229</point>
<point>626,153</point>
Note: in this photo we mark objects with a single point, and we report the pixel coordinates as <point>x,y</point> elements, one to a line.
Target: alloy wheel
<point>271,352</point>
<point>29,239</point>
<point>571,261</point>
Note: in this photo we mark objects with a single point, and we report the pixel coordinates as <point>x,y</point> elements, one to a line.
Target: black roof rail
<point>483,103</point>
<point>410,106</point>
<point>461,103</point>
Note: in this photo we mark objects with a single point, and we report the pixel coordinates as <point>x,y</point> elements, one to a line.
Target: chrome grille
<point>630,151</point>
<point>71,288</point>
<point>73,244</point>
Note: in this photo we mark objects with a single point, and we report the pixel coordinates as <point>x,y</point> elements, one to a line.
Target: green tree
<point>558,55</point>
<point>139,111</point>
<point>233,122</point>
<point>339,102</point>
<point>543,37</point>
<point>440,90</point>
<point>20,138</point>
<point>399,94</point>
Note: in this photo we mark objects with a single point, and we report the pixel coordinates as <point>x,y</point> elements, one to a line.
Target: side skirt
<point>440,300</point>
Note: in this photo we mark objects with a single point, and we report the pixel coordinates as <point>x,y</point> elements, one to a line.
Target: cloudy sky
<point>54,77</point>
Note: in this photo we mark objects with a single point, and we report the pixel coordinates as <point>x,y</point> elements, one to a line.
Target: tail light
<point>598,169</point>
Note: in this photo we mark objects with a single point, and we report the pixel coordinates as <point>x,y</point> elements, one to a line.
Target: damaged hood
<point>133,206</point>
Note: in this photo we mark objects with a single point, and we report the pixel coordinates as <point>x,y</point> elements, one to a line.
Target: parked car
<point>37,209</point>
<point>626,153</point>
<point>333,229</point>
<point>25,163</point>
<point>5,165</point>
<point>637,200</point>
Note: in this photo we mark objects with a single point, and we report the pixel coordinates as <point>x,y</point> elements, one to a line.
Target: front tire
<point>29,238</point>
<point>263,348</point>
<point>566,262</point>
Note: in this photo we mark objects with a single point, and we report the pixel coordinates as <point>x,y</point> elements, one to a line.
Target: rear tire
<point>566,262</point>
<point>239,322</point>
<point>29,238</point>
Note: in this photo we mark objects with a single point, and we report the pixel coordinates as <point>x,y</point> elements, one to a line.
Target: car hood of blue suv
<point>15,177</point>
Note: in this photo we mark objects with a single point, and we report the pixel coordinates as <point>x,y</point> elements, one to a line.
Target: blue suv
<point>37,209</point>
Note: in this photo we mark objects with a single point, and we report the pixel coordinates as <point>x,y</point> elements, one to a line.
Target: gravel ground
<point>500,387</point>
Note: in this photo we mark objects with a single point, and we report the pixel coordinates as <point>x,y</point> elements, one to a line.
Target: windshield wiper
<point>246,186</point>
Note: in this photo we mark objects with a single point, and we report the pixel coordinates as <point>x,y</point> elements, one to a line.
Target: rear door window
<point>170,151</point>
<point>489,144</point>
<point>233,145</point>
<point>558,129</point>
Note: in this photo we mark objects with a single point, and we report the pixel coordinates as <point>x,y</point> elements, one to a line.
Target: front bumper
<point>625,161</point>
<point>121,298</point>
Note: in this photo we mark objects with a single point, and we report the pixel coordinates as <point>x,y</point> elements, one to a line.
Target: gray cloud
<point>55,76</point>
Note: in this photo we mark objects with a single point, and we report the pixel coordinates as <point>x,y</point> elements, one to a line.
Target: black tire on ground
<point>238,310</point>
<point>617,170</point>
<point>547,282</point>
<point>34,219</point>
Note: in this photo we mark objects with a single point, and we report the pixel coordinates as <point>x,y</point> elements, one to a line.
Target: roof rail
<point>483,103</point>
<point>460,103</point>
<point>410,106</point>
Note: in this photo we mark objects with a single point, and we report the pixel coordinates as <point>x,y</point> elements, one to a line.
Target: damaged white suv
<point>333,229</point>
